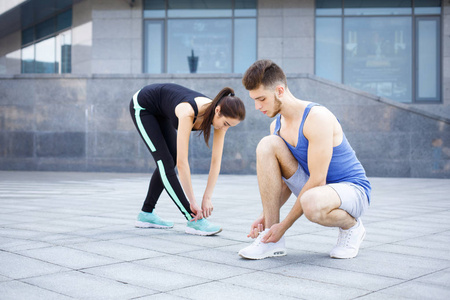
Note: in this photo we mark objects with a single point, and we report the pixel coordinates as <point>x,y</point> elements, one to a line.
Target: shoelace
<point>343,238</point>
<point>258,242</point>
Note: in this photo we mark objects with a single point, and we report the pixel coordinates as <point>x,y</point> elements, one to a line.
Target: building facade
<point>69,67</point>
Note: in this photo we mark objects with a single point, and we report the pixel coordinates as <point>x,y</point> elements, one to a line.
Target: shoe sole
<point>273,253</point>
<point>140,224</point>
<point>193,231</point>
<point>350,256</point>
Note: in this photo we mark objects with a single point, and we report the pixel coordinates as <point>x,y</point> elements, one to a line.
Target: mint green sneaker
<point>202,227</point>
<point>151,220</point>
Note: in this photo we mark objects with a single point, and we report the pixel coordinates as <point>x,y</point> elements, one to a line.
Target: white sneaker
<point>260,250</point>
<point>349,241</point>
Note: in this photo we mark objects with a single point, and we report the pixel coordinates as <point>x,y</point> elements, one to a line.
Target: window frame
<point>165,36</point>
<point>414,55</point>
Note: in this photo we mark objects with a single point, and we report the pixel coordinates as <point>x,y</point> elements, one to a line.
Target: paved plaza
<point>72,236</point>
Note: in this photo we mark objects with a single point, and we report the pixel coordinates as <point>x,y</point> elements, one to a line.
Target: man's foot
<point>151,220</point>
<point>349,241</point>
<point>202,227</point>
<point>260,250</point>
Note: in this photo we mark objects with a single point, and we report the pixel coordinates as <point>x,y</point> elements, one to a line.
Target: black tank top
<point>161,99</point>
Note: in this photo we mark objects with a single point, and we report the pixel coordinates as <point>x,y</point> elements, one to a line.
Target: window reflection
<point>377,56</point>
<point>376,7</point>
<point>64,52</point>
<point>392,51</point>
<point>329,48</point>
<point>28,59</point>
<point>154,58</point>
<point>244,44</point>
<point>45,56</point>
<point>190,9</point>
<point>208,38</point>
<point>427,55</point>
<point>204,36</point>
<point>245,8</point>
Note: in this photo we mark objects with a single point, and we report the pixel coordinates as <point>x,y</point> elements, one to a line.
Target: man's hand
<point>207,207</point>
<point>256,228</point>
<point>274,234</point>
<point>197,212</point>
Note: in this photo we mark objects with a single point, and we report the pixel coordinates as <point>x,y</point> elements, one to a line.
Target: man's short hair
<point>263,72</point>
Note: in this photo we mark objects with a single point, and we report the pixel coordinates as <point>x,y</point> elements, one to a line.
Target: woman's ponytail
<point>230,106</point>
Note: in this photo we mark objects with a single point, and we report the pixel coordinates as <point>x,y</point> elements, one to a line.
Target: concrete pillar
<point>286,34</point>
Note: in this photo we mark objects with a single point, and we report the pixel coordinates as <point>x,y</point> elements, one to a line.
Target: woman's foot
<point>202,227</point>
<point>151,220</point>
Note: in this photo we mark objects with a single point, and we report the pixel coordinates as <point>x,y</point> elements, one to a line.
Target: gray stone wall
<point>286,34</point>
<point>82,123</point>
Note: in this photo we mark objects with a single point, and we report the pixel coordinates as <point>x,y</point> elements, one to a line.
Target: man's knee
<point>268,145</point>
<point>312,209</point>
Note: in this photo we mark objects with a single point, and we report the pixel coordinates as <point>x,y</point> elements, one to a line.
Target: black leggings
<point>161,139</point>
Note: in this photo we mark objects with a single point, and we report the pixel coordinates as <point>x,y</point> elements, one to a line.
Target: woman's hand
<point>207,207</point>
<point>197,212</point>
<point>257,227</point>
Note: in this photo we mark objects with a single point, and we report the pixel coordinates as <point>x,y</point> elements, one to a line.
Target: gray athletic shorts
<point>353,197</point>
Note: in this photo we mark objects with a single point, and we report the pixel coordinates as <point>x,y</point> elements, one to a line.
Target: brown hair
<point>263,72</point>
<point>230,106</point>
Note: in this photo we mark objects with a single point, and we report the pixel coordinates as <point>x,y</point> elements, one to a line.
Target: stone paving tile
<point>17,266</point>
<point>336,276</point>
<point>156,244</point>
<point>227,291</point>
<point>14,290</point>
<point>85,286</point>
<point>117,251</point>
<point>441,278</point>
<point>67,257</point>
<point>161,296</point>
<point>140,275</point>
<point>295,287</point>
<point>77,239</point>
<point>189,266</point>
<point>387,264</point>
<point>419,290</point>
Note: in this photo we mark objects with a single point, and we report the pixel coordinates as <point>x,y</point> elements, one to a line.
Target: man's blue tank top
<point>344,165</point>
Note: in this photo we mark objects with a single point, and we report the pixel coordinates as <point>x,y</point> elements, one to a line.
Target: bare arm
<point>216,162</point>
<point>185,113</point>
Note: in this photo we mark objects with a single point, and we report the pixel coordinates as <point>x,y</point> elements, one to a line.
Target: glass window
<point>245,8</point>
<point>52,54</point>
<point>207,39</point>
<point>154,8</point>
<point>377,7</point>
<point>28,36</point>
<point>64,20</point>
<point>64,52</point>
<point>244,44</point>
<point>154,41</point>
<point>387,48</point>
<point>28,59</point>
<point>428,53</point>
<point>45,28</point>
<point>205,36</point>
<point>425,7</point>
<point>377,56</point>
<point>191,9</point>
<point>328,7</point>
<point>45,61</point>
<point>329,48</point>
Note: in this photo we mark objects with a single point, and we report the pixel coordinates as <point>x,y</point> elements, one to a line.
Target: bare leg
<point>273,160</point>
<point>321,205</point>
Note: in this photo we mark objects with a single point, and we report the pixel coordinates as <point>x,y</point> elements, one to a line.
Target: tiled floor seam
<point>43,288</point>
